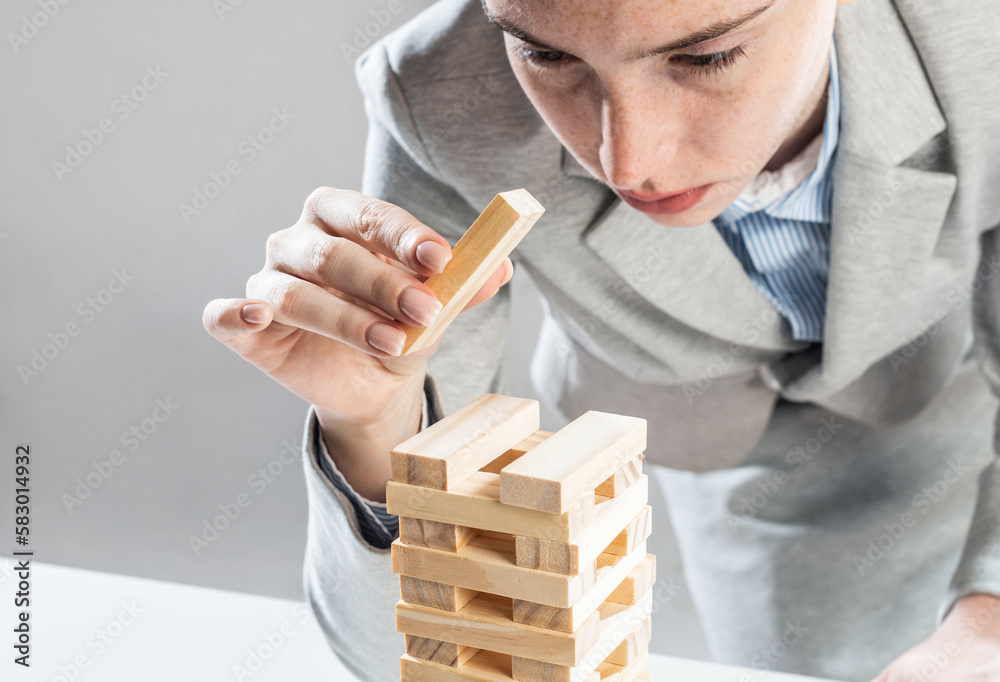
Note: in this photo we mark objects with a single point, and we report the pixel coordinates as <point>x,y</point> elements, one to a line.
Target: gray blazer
<point>663,323</point>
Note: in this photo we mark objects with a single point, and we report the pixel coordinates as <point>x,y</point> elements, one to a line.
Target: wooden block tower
<point>522,553</point>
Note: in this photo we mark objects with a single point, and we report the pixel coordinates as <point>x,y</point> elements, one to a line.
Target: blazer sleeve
<point>979,566</point>
<point>348,581</point>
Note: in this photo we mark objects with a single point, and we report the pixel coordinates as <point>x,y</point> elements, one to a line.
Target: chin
<point>692,218</point>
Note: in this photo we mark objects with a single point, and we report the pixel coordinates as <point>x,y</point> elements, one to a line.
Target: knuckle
<point>275,241</point>
<point>317,198</point>
<point>285,298</point>
<point>385,287</point>
<point>326,253</point>
<point>370,218</point>
<point>255,285</point>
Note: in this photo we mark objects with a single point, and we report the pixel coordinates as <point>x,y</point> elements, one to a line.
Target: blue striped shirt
<point>782,238</point>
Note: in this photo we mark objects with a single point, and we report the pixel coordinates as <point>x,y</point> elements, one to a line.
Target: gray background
<point>65,233</point>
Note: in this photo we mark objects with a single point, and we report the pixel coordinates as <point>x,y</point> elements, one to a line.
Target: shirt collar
<point>797,190</point>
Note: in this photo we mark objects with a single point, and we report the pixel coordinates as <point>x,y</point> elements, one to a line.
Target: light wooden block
<point>488,564</point>
<point>486,666</point>
<point>638,530</point>
<point>637,583</point>
<point>633,672</point>
<point>449,451</point>
<point>476,256</point>
<point>489,666</point>
<point>445,653</point>
<point>612,572</point>
<point>613,518</point>
<point>433,594</point>
<point>485,623</point>
<point>526,670</point>
<point>622,479</point>
<point>522,553</point>
<point>617,623</point>
<point>635,646</point>
<point>515,452</point>
<point>444,536</point>
<point>547,555</point>
<point>572,462</point>
<point>476,503</point>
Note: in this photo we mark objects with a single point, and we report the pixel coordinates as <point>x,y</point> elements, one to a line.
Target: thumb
<point>500,277</point>
<point>229,319</point>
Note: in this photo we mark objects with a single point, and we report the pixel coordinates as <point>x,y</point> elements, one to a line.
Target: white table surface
<point>180,632</point>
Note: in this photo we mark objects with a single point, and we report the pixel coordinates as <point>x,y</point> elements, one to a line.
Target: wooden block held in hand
<point>476,256</point>
<point>449,451</point>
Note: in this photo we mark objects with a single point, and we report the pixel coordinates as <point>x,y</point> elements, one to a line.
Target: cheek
<point>571,110</point>
<point>742,128</point>
<point>738,121</point>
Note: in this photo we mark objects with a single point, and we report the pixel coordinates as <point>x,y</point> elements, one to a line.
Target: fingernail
<point>386,338</point>
<point>254,313</point>
<point>419,305</point>
<point>433,255</point>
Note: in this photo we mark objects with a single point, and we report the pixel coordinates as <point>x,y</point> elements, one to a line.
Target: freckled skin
<point>659,124</point>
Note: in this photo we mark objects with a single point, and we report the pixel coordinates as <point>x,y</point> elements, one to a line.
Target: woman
<point>769,231</point>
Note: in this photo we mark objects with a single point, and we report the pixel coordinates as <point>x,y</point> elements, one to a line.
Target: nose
<point>635,137</point>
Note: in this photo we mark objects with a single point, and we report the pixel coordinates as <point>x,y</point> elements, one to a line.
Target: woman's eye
<point>542,57</point>
<point>714,62</point>
<point>701,63</point>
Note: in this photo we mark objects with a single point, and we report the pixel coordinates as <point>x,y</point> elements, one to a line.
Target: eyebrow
<point>716,30</point>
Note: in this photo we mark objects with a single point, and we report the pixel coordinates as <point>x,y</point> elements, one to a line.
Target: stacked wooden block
<point>522,553</point>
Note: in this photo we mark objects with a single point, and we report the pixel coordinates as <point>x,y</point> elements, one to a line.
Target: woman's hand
<point>966,648</point>
<point>322,317</point>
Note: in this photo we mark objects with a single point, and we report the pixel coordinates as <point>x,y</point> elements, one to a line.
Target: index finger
<point>380,227</point>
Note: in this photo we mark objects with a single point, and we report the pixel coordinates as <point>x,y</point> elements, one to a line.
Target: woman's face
<point>691,98</point>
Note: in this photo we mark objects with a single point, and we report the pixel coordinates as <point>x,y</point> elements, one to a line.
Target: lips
<point>668,203</point>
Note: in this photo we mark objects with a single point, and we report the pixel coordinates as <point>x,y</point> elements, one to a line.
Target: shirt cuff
<point>378,527</point>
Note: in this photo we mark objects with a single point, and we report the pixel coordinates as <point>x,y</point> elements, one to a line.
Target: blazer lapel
<point>689,273</point>
<point>886,217</point>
